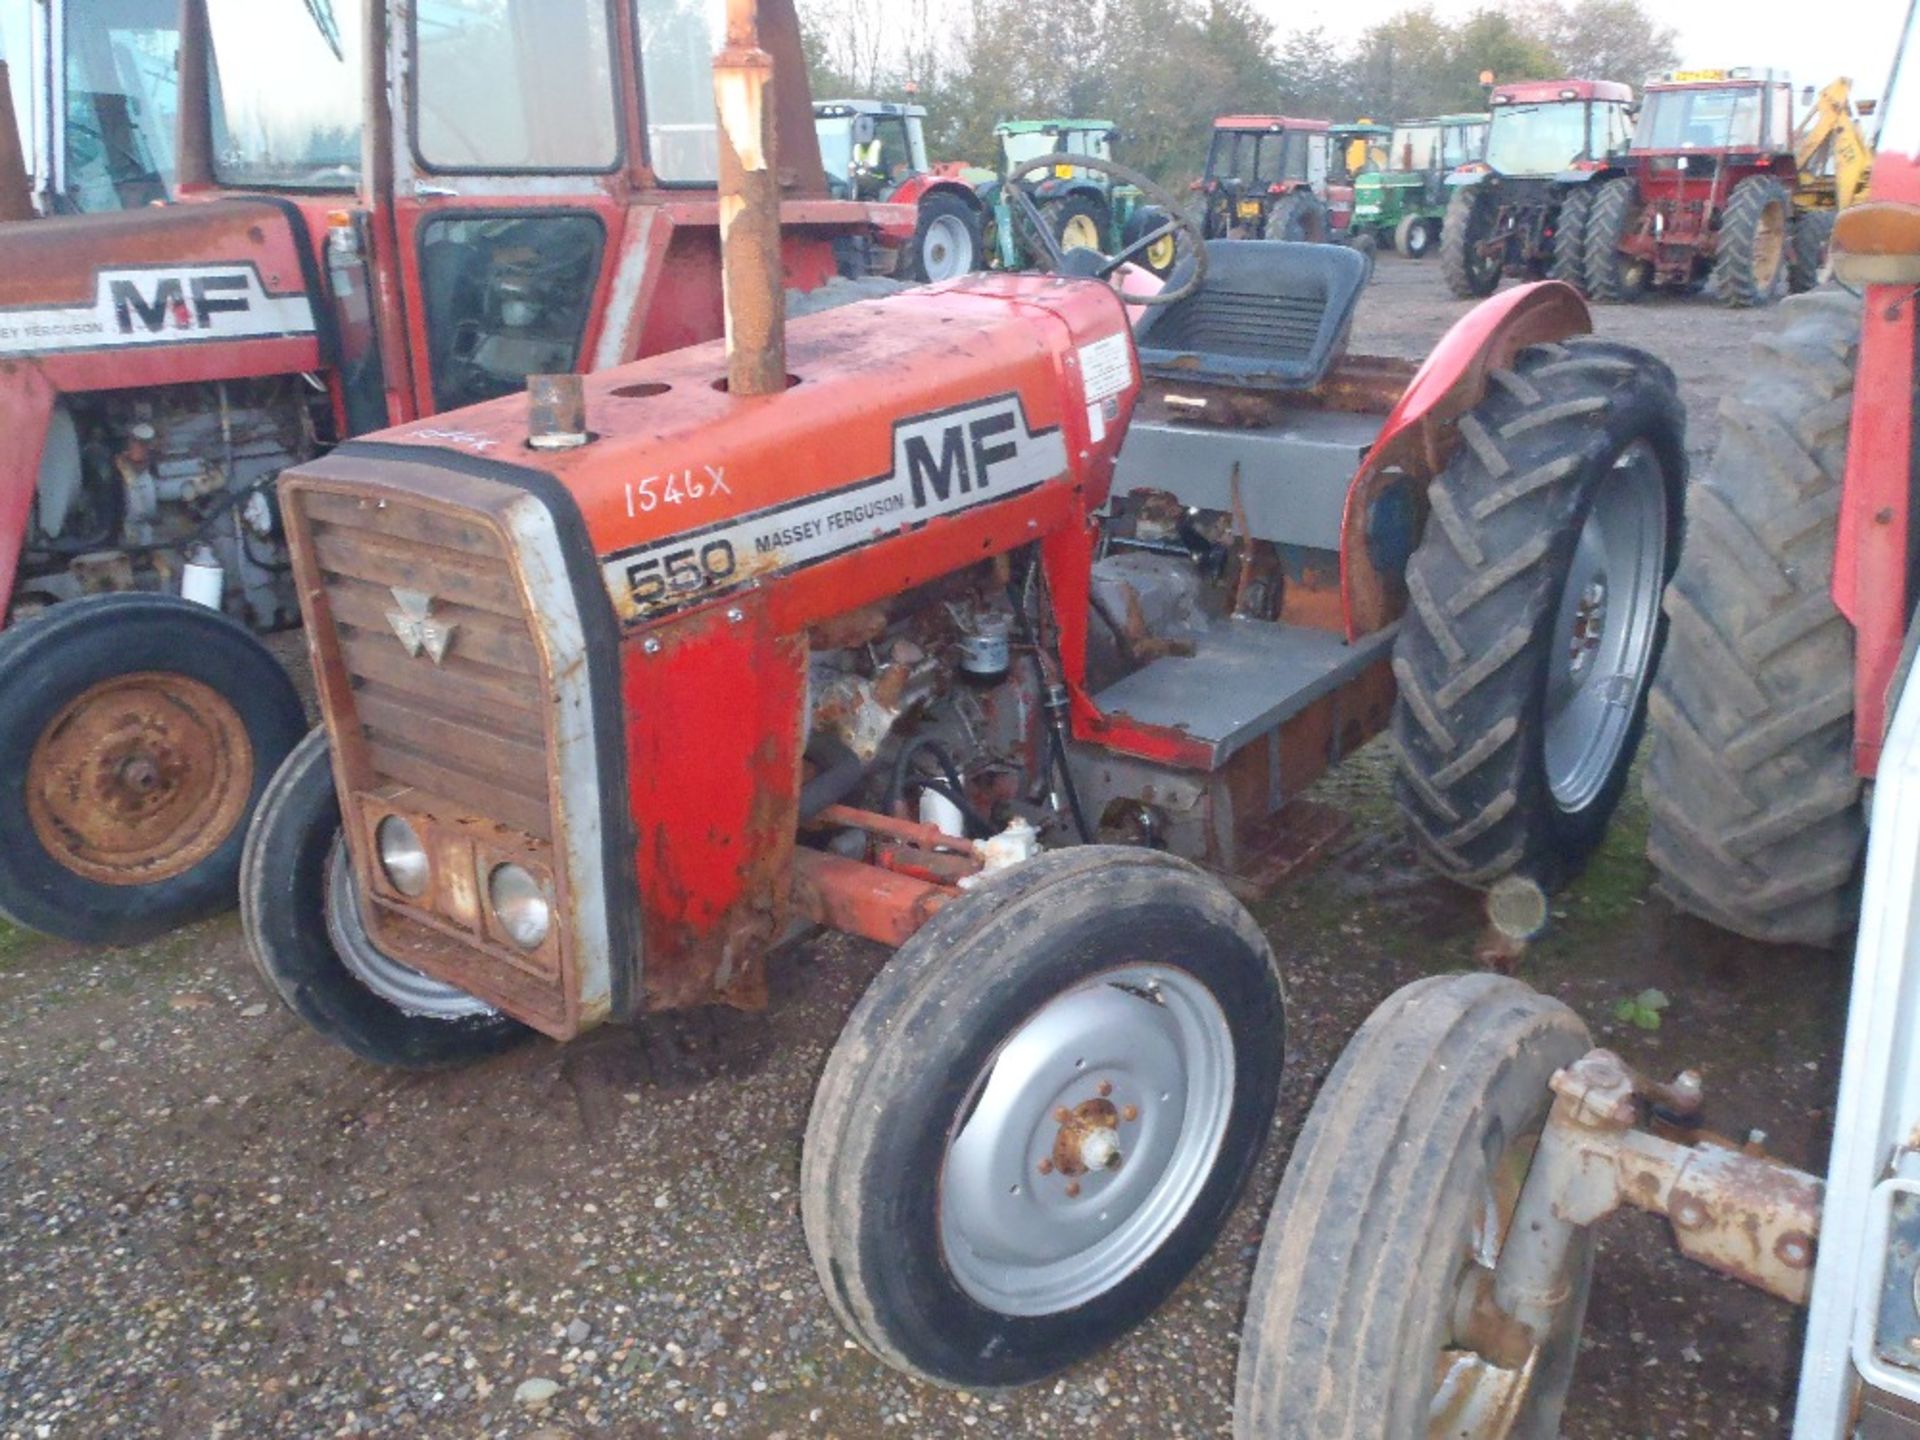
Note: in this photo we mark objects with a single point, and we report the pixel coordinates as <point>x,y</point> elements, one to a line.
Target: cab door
<point>511,141</point>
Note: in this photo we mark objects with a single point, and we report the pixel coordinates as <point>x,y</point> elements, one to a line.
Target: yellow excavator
<point>1833,159</point>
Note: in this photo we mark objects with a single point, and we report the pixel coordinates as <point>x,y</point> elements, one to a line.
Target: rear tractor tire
<point>137,735</point>
<point>946,242</point>
<point>1471,274</point>
<point>1078,222</point>
<point>1533,622</point>
<point>1368,245</point>
<point>1812,238</point>
<point>1391,1217</point>
<point>300,908</point>
<point>1159,257</point>
<point>1758,821</point>
<point>1040,1113</point>
<point>1613,276</point>
<point>1751,262</point>
<point>1570,230</point>
<point>1298,217</point>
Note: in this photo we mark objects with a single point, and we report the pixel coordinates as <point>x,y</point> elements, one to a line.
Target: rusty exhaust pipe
<point>752,276</point>
<point>16,189</point>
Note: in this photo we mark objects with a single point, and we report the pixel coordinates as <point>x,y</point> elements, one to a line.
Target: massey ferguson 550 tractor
<point>868,622</point>
<point>535,193</point>
<point>1522,210</point>
<point>1427,1262</point>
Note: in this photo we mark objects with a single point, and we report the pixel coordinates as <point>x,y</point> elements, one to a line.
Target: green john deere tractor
<point>1081,207</point>
<point>1403,204</point>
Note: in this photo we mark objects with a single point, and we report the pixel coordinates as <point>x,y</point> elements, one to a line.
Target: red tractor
<point>1523,209</point>
<point>1268,176</point>
<point>877,150</point>
<point>1708,193</point>
<point>869,622</point>
<point>333,265</point>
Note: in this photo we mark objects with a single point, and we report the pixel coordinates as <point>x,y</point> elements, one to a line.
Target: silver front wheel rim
<point>1089,1137</point>
<point>946,253</point>
<point>399,985</point>
<point>1603,630</point>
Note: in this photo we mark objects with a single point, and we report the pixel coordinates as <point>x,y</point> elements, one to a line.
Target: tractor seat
<point>1271,315</point>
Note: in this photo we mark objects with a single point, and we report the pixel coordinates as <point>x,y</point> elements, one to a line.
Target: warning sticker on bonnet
<point>1106,366</point>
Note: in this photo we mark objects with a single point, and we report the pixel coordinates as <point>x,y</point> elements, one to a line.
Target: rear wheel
<point>1750,261</point>
<point>1413,237</point>
<point>1368,1314</point>
<point>1078,222</point>
<point>137,733</point>
<point>1040,1113</point>
<point>1369,247</point>
<point>1533,623</point>
<point>1612,274</point>
<point>1570,230</point>
<point>1159,256</point>
<point>1812,238</point>
<point>300,909</point>
<point>1470,270</point>
<point>1757,817</point>
<point>1299,216</point>
<point>946,242</point>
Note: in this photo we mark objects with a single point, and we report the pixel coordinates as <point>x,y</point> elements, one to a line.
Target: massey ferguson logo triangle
<point>413,622</point>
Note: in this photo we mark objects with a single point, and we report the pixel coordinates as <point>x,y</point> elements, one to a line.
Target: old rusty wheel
<point>136,734</point>
<point>1373,1310</point>
<point>139,778</point>
<point>1040,1114</point>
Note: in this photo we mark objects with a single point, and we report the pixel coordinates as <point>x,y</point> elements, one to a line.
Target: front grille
<point>467,732</point>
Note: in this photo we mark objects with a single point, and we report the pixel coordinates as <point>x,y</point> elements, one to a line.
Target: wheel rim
<point>1079,233</point>
<point>1416,242</point>
<point>946,252</point>
<point>139,778</point>
<point>1487,1367</point>
<point>1603,632</point>
<point>399,985</point>
<point>1160,255</point>
<point>1769,244</point>
<point>1086,1140</point>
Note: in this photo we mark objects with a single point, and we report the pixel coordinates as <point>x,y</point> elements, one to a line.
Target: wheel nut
<point>1105,1088</point>
<point>1063,1115</point>
<point>1046,1165</point>
<point>1073,1189</point>
<point>1129,1112</point>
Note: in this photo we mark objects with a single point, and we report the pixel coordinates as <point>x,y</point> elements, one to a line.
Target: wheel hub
<point>1589,625</point>
<point>139,778</point>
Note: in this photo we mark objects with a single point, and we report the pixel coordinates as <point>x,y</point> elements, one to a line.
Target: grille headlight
<point>520,905</point>
<point>403,858</point>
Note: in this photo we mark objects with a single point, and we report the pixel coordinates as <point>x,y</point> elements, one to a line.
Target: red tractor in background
<point>1522,210</point>
<point>1273,177</point>
<point>536,193</point>
<point>1708,193</point>
<point>877,150</point>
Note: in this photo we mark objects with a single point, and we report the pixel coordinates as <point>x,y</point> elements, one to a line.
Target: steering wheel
<point>1024,210</point>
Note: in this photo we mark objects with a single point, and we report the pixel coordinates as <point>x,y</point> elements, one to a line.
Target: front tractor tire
<point>1812,239</point>
<point>947,240</point>
<point>300,909</point>
<point>1572,225</point>
<point>137,734</point>
<point>1413,237</point>
<point>1533,621</point>
<point>1758,823</point>
<point>1299,216</point>
<point>1371,1290</point>
<point>1752,261</point>
<point>1614,276</point>
<point>1471,273</point>
<point>1040,1113</point>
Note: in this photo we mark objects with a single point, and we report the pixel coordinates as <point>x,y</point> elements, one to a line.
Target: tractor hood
<point>168,275</point>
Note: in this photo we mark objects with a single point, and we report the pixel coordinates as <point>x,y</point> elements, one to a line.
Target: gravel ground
<point>212,1224</point>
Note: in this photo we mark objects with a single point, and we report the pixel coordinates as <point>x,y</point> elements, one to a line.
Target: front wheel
<point>137,733</point>
<point>1371,1313</point>
<point>1078,222</point>
<point>1613,275</point>
<point>1413,237</point>
<point>1533,619</point>
<point>1158,257</point>
<point>946,242</point>
<point>1812,239</point>
<point>1040,1113</point>
<point>1368,245</point>
<point>300,909</point>
<point>1572,227</point>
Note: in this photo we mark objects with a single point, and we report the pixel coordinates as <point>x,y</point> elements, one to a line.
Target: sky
<point>1812,40</point>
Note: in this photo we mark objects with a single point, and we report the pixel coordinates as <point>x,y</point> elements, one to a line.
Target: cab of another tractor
<point>382,212</point>
<point>1267,178</point>
<point>1402,201</point>
<point>1520,209</point>
<point>877,150</point>
<point>1707,194</point>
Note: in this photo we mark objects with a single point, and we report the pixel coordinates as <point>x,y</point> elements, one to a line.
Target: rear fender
<point>1419,434</point>
<point>26,409</point>
<point>916,188</point>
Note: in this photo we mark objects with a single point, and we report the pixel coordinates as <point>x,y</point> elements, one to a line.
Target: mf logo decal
<point>160,305</point>
<point>943,463</point>
<point>413,622</point>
